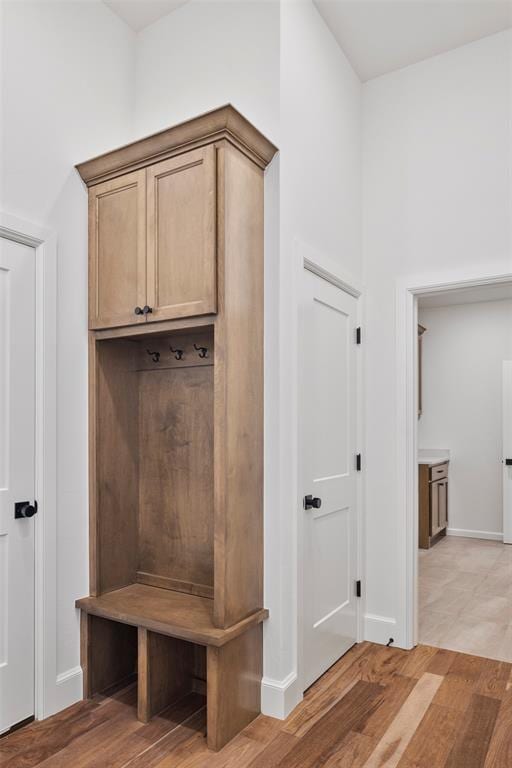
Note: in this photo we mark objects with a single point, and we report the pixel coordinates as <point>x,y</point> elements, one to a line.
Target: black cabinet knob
<point>138,311</point>
<point>24,509</point>
<point>312,502</point>
<point>147,310</point>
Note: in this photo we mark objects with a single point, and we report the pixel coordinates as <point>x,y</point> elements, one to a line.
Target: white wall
<point>320,216</point>
<point>206,54</point>
<point>437,170</point>
<point>67,73</point>
<point>463,350</point>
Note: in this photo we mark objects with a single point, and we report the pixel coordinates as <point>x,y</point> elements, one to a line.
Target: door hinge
<point>358,462</point>
<point>358,588</point>
<point>358,335</point>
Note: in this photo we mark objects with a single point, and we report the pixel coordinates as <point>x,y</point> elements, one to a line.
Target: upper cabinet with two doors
<point>154,228</point>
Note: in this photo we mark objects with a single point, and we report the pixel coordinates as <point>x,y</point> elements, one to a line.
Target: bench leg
<point>233,686</point>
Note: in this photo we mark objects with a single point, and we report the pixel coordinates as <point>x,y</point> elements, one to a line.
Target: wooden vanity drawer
<point>439,472</point>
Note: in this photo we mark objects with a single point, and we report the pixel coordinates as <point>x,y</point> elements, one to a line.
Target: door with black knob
<point>17,482</point>
<point>328,449</point>
<point>117,267</point>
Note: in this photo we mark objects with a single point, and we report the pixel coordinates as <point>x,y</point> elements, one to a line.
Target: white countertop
<point>433,455</point>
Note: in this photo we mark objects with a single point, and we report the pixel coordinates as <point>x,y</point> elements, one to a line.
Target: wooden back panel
<point>114,465</point>
<point>176,478</point>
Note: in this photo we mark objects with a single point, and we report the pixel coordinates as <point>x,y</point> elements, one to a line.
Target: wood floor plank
<point>418,661</point>
<point>393,696</point>
<point>442,662</point>
<point>385,663</point>
<point>315,707</point>
<point>493,679</point>
<point>433,739</point>
<point>395,741</point>
<point>499,754</point>
<point>324,738</point>
<point>471,747</point>
<point>353,751</point>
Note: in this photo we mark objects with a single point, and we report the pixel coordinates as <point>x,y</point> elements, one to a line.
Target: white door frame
<point>44,243</point>
<point>325,269</point>
<point>408,290</point>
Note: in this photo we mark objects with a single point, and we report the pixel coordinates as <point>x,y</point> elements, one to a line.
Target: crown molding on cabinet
<point>222,123</point>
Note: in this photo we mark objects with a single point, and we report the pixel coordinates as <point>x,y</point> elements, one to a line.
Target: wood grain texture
<point>233,680</point>
<point>108,654</point>
<point>117,251</point>
<point>176,477</point>
<point>222,123</point>
<point>165,672</point>
<point>238,408</point>
<point>181,236</point>
<point>181,615</point>
<point>105,731</point>
<point>115,457</point>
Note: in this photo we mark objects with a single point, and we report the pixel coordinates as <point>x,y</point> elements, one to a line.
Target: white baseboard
<point>469,534</point>
<point>68,690</point>
<point>379,629</point>
<point>280,697</point>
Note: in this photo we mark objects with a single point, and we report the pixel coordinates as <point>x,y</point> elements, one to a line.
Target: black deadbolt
<point>312,502</point>
<point>24,509</point>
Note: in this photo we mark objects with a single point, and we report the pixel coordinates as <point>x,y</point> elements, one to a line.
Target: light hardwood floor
<point>465,596</point>
<point>376,708</point>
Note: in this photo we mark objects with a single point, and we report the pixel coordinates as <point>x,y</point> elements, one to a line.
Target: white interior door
<point>507,451</point>
<point>17,478</point>
<point>328,451</point>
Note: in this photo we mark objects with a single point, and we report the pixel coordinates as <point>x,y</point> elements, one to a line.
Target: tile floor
<point>465,597</point>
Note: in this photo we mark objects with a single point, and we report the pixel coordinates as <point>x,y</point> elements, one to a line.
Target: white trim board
<point>468,534</point>
<point>407,291</point>
<point>51,694</point>
<point>280,697</point>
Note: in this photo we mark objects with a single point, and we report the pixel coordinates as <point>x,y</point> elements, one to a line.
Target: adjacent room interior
<point>465,561</point>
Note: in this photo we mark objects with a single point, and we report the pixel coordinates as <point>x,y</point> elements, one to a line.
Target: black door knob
<point>24,509</point>
<point>312,502</point>
<point>138,311</point>
<point>147,310</point>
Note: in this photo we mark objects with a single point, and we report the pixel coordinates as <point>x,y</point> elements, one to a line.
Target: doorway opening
<point>458,566</point>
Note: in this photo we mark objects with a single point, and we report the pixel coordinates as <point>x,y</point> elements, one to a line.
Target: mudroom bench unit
<point>176,420</point>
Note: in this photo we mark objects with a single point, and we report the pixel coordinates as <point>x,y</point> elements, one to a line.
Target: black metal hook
<point>203,351</point>
<point>154,355</point>
<point>178,353</point>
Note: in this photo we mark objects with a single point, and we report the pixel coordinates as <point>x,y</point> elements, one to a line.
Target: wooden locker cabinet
<point>176,488</point>
<point>181,235</point>
<point>153,242</point>
<point>117,250</point>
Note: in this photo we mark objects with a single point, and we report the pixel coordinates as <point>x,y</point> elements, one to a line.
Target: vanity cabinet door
<point>181,242</point>
<point>117,247</point>
<point>434,509</point>
<point>443,504</point>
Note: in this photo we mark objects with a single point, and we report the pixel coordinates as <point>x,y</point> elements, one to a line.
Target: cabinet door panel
<point>117,231</point>
<point>182,235</point>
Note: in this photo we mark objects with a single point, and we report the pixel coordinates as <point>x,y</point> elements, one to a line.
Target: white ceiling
<point>379,36</point>
<point>466,296</point>
<point>140,13</point>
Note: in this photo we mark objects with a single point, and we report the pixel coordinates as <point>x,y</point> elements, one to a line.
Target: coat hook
<point>203,351</point>
<point>154,355</point>
<point>178,353</point>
